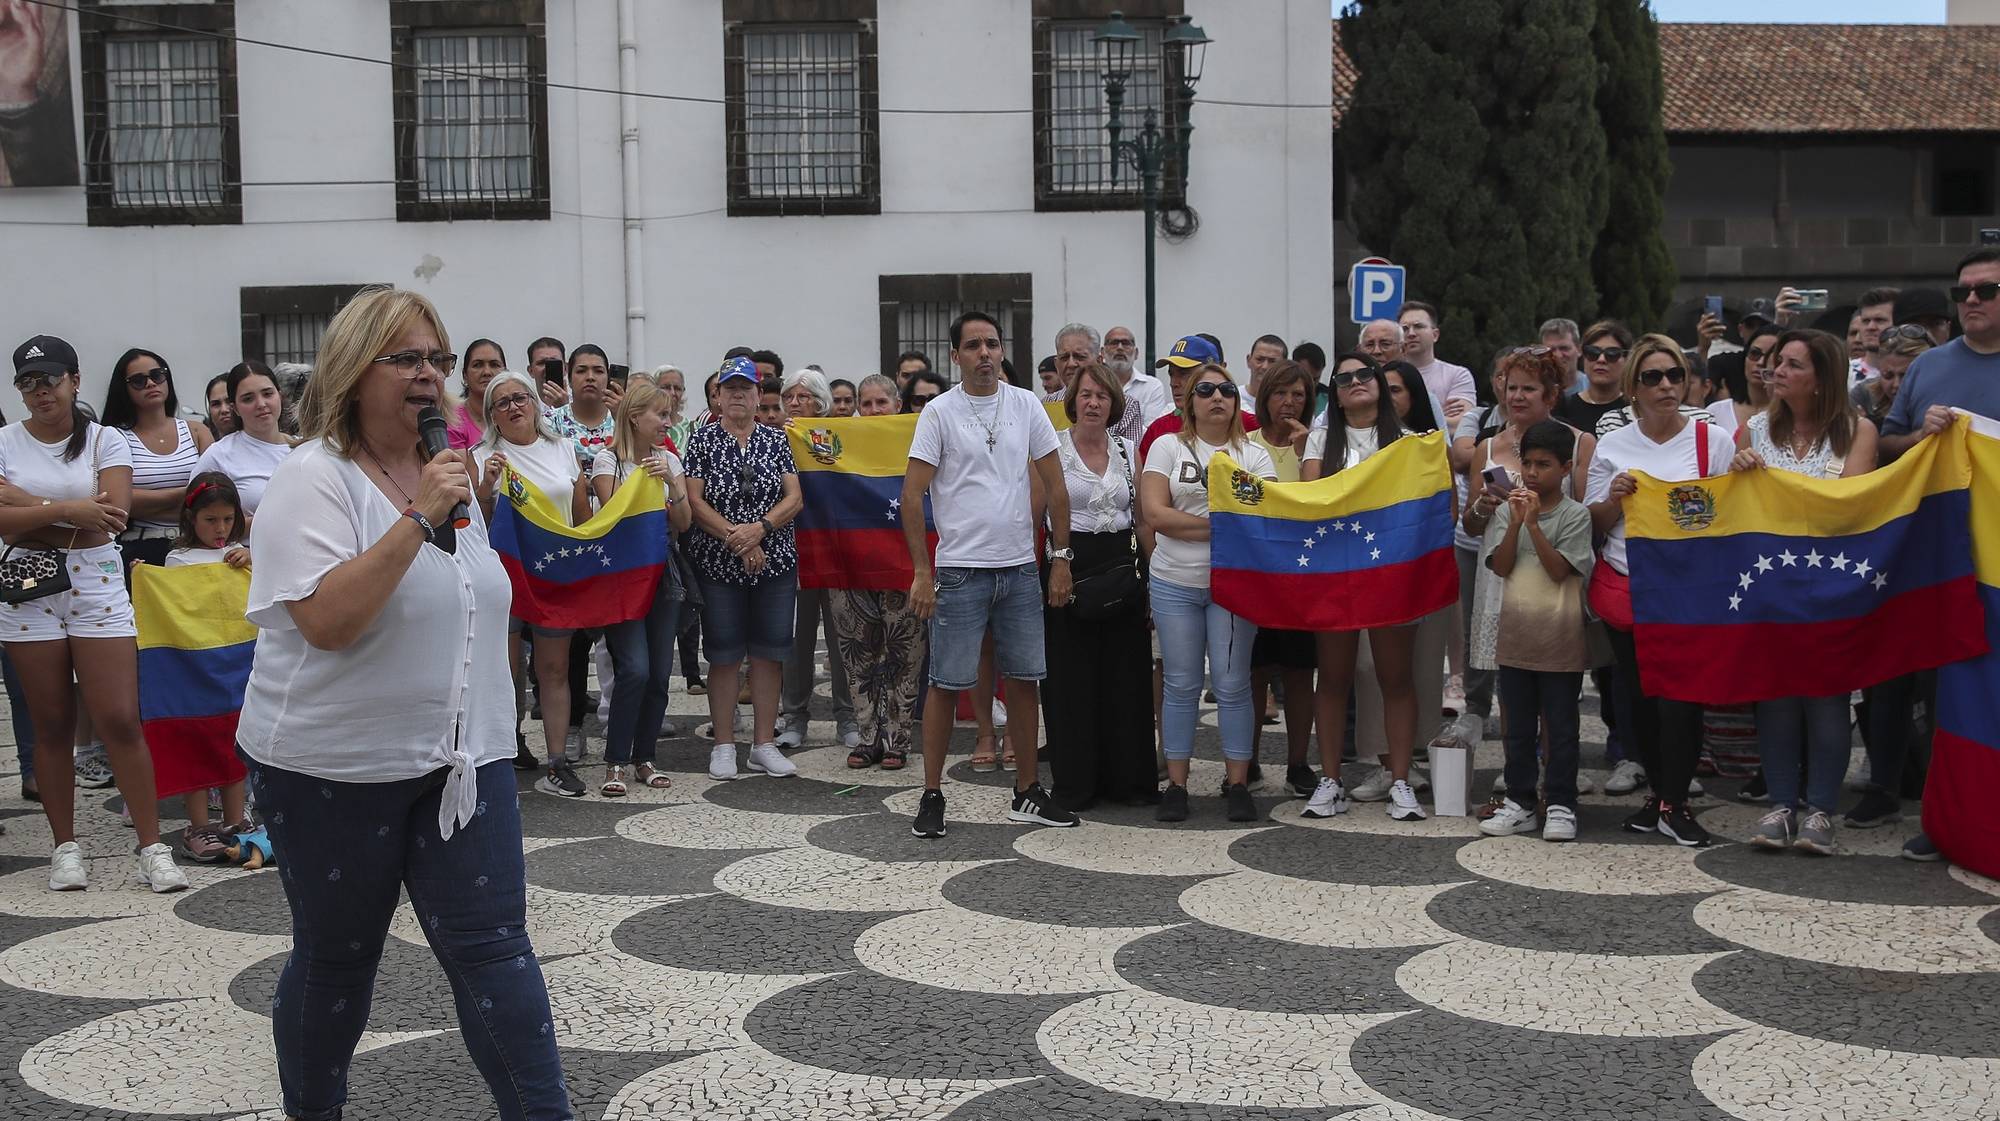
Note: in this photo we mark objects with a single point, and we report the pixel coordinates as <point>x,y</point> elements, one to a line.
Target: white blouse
<point>424,688</point>
<point>1099,503</point>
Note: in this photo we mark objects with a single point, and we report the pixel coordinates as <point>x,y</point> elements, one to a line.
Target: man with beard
<point>1146,398</point>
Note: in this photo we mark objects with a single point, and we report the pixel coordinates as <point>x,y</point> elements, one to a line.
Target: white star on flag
<point>1790,560</point>
<point>606,561</point>
<point>1840,562</point>
<point>541,564</point>
<point>1370,537</point>
<point>1735,601</point>
<point>1862,569</point>
<point>1374,554</point>
<point>1338,525</point>
<point>1763,564</point>
<point>1813,558</point>
<point>1747,581</point>
<point>1355,526</point>
<point>1311,541</point>
<point>1302,562</point>
<point>1881,581</point>
<point>1322,531</point>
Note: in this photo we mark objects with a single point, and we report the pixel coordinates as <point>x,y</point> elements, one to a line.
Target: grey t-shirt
<point>1953,374</point>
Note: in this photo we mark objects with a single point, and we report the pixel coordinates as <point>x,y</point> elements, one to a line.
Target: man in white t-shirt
<point>973,450</point>
<point>1448,383</point>
<point>1146,397</point>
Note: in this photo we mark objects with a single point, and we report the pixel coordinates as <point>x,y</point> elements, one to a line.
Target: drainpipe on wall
<point>628,146</point>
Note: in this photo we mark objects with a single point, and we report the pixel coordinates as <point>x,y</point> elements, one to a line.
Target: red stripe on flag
<point>1958,802</point>
<point>1388,596</point>
<point>600,601</point>
<point>193,752</point>
<point>866,560</point>
<point>1920,629</point>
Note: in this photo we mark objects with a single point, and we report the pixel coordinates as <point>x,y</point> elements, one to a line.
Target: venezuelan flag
<point>195,649</point>
<point>1757,585</point>
<point>1369,546</point>
<point>604,571</point>
<point>1964,781</point>
<point>850,532</point>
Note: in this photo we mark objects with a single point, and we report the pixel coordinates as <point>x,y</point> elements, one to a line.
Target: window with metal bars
<point>285,324</point>
<point>160,115</point>
<point>1074,168</point>
<point>471,109</point>
<point>925,325</point>
<point>803,126</point>
<point>917,312</point>
<point>293,336</point>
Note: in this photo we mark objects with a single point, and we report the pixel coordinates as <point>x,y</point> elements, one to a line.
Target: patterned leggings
<point>882,642</point>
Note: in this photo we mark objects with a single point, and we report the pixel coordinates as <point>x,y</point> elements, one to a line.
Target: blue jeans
<point>344,850</point>
<point>748,618</point>
<point>642,663</point>
<point>970,601</point>
<point>1192,626</point>
<point>24,728</point>
<point>1530,699</point>
<point>1804,734</point>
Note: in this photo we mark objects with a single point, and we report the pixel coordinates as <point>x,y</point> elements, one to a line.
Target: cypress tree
<point>1632,266</point>
<point>1474,141</point>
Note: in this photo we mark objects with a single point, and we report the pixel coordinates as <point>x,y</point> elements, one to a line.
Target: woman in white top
<point>251,453</point>
<point>1098,695</point>
<point>142,402</point>
<point>519,437</point>
<point>376,721</point>
<point>1812,428</point>
<point>642,650</point>
<point>65,487</point>
<point>1173,496</point>
<point>1666,443</point>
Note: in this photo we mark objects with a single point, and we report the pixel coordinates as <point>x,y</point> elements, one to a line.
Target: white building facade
<point>830,179</point>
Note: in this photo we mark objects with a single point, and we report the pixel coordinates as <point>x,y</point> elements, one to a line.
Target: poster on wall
<point>37,120</point>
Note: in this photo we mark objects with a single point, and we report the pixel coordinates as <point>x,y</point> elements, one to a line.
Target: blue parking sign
<point>1374,290</point>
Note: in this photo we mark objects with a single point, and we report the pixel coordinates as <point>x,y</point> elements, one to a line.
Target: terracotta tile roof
<point>1811,78</point>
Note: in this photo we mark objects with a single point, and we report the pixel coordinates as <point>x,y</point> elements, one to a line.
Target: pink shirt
<point>462,432</point>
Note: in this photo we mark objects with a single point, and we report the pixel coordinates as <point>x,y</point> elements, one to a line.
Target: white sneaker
<point>66,872</point>
<point>1328,800</point>
<point>722,762</point>
<point>1626,777</point>
<point>1559,824</point>
<point>158,871</point>
<point>792,736</point>
<point>1511,818</point>
<point>1374,788</point>
<point>1695,789</point>
<point>1586,783</point>
<point>1403,802</point>
<point>768,759</point>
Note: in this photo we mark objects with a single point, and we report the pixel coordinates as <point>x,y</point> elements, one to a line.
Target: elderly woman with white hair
<point>807,396</point>
<point>519,436</point>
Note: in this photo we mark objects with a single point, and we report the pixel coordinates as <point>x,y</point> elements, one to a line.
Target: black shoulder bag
<point>1116,589</point>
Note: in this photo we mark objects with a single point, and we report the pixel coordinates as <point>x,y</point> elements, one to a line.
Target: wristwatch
<point>1062,554</point>
<point>766,523</point>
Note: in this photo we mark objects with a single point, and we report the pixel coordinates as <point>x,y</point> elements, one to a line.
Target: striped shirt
<point>152,471</point>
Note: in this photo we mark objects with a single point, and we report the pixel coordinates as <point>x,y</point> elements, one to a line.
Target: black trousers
<point>1098,699</point>
<point>1666,733</point>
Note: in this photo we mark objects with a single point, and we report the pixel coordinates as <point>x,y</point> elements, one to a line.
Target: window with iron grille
<point>160,115</point>
<point>803,130</point>
<point>293,336</point>
<point>917,313</point>
<point>1074,169</point>
<point>471,109</point>
<point>284,324</point>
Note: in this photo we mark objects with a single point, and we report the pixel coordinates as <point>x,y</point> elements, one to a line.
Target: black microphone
<point>430,428</point>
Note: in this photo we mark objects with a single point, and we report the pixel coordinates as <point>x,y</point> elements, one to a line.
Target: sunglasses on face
<point>1607,353</point>
<point>28,383</point>
<point>408,362</point>
<point>920,400</point>
<point>1211,388</point>
<point>1673,376</point>
<point>1348,379</point>
<point>1963,293</point>
<point>1755,355</point>
<point>140,379</point>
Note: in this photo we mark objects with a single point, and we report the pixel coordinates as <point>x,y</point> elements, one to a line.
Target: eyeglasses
<point>1211,388</point>
<point>28,383</point>
<point>1963,293</point>
<point>407,362</point>
<point>1608,353</point>
<point>143,378</point>
<point>1120,344</point>
<point>1906,331</point>
<point>1752,354</point>
<point>511,402</point>
<point>1674,376</point>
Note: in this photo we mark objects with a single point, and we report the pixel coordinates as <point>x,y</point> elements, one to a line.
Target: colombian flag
<point>1369,546</point>
<point>194,661</point>
<point>1963,788</point>
<point>605,571</point>
<point>1764,584</point>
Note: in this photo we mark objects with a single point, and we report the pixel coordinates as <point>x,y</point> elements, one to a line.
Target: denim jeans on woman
<point>345,850</point>
<point>642,660</point>
<point>1809,735</point>
<point>1192,628</point>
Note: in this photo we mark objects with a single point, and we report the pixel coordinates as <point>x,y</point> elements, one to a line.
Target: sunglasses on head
<point>140,379</point>
<point>1608,353</point>
<point>1907,331</point>
<point>1963,293</point>
<point>1534,351</point>
<point>1674,376</point>
<point>1211,388</point>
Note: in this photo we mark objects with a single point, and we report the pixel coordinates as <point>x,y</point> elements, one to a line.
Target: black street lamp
<point>1182,51</point>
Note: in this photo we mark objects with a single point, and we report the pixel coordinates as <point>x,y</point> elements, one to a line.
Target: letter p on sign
<point>1374,290</point>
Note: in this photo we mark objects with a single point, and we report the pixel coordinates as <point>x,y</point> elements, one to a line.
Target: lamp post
<point>1182,52</point>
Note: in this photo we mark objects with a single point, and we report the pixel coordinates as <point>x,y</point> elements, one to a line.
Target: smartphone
<point>1989,237</point>
<point>552,370</point>
<point>1812,299</point>
<point>619,374</point>
<point>1713,306</point>
<point>1497,476</point>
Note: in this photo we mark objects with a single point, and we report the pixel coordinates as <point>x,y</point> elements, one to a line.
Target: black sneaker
<point>1256,773</point>
<point>1302,780</point>
<point>1876,808</point>
<point>1173,804</point>
<point>1677,822</point>
<point>1646,819</point>
<point>930,815</point>
<point>1754,790</point>
<point>1241,808</point>
<point>524,760</point>
<point>560,780</point>
<point>1920,849</point>
<point>1033,806</point>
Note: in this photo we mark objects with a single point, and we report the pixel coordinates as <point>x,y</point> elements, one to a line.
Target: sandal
<point>893,760</point>
<point>862,758</point>
<point>652,779</point>
<point>983,759</point>
<point>614,782</point>
<point>1007,760</point>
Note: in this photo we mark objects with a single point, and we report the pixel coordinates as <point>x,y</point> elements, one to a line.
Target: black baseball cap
<point>1922,303</point>
<point>1760,312</point>
<point>44,354</point>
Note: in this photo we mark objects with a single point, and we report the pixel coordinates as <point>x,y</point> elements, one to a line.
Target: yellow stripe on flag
<point>192,607</point>
<point>1983,446</point>
<point>877,446</point>
<point>1412,467</point>
<point>640,494</point>
<point>1792,505</point>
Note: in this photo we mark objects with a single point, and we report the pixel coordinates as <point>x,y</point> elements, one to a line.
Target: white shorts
<point>96,605</point>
